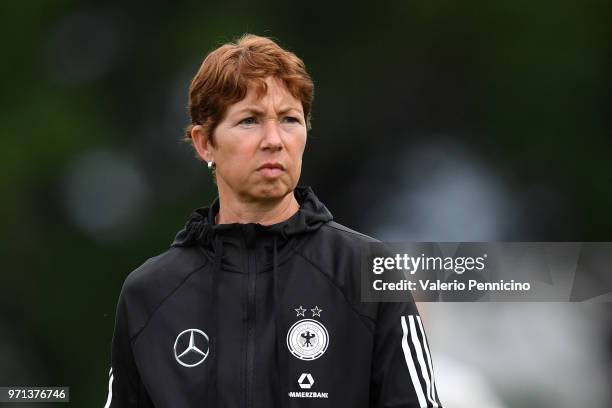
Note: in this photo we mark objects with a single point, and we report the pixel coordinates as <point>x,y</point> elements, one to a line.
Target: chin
<point>275,190</point>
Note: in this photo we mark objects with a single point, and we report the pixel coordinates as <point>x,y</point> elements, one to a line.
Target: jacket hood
<point>201,228</point>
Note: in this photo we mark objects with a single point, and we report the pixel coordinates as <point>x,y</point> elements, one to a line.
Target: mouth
<point>271,170</point>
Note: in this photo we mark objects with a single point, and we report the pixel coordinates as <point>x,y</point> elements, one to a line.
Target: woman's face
<point>259,145</point>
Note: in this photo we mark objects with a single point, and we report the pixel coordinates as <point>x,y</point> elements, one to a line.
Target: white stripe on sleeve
<point>411,368</point>
<point>419,352</point>
<point>429,363</point>
<point>110,389</point>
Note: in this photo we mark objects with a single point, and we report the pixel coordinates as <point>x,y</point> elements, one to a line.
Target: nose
<point>271,135</point>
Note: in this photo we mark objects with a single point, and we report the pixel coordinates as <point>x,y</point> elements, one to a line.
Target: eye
<point>248,121</point>
<point>292,119</point>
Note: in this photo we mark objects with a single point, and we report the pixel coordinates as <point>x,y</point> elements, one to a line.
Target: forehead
<point>276,93</point>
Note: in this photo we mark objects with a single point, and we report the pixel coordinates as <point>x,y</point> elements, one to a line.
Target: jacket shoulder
<point>147,286</point>
<point>350,233</point>
<point>165,268</point>
<point>338,252</point>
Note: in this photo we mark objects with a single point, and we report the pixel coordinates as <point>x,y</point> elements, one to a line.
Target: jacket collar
<point>201,229</point>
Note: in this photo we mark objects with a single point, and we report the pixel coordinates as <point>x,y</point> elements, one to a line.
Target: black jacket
<point>245,315</point>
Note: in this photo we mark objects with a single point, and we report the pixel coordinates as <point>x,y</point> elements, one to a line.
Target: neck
<point>233,209</point>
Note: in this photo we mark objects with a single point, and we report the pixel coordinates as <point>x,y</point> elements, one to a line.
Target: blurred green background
<point>505,108</point>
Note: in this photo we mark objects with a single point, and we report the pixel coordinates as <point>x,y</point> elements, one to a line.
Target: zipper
<point>250,355</point>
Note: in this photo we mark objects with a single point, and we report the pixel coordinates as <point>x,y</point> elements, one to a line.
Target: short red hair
<point>228,71</point>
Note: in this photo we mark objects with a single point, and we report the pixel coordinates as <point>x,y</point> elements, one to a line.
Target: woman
<point>257,301</point>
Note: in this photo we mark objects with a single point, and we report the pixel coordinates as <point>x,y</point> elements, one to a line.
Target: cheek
<point>302,146</point>
<point>296,151</point>
<point>239,162</point>
<point>297,143</point>
<point>237,159</point>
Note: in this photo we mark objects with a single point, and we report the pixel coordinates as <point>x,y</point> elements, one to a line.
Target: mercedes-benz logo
<point>191,347</point>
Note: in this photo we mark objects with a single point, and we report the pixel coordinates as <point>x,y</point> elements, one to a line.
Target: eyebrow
<point>251,109</point>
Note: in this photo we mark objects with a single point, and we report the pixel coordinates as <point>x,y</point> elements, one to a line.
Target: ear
<point>202,143</point>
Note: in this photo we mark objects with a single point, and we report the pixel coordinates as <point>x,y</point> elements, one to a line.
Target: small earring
<point>211,164</point>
